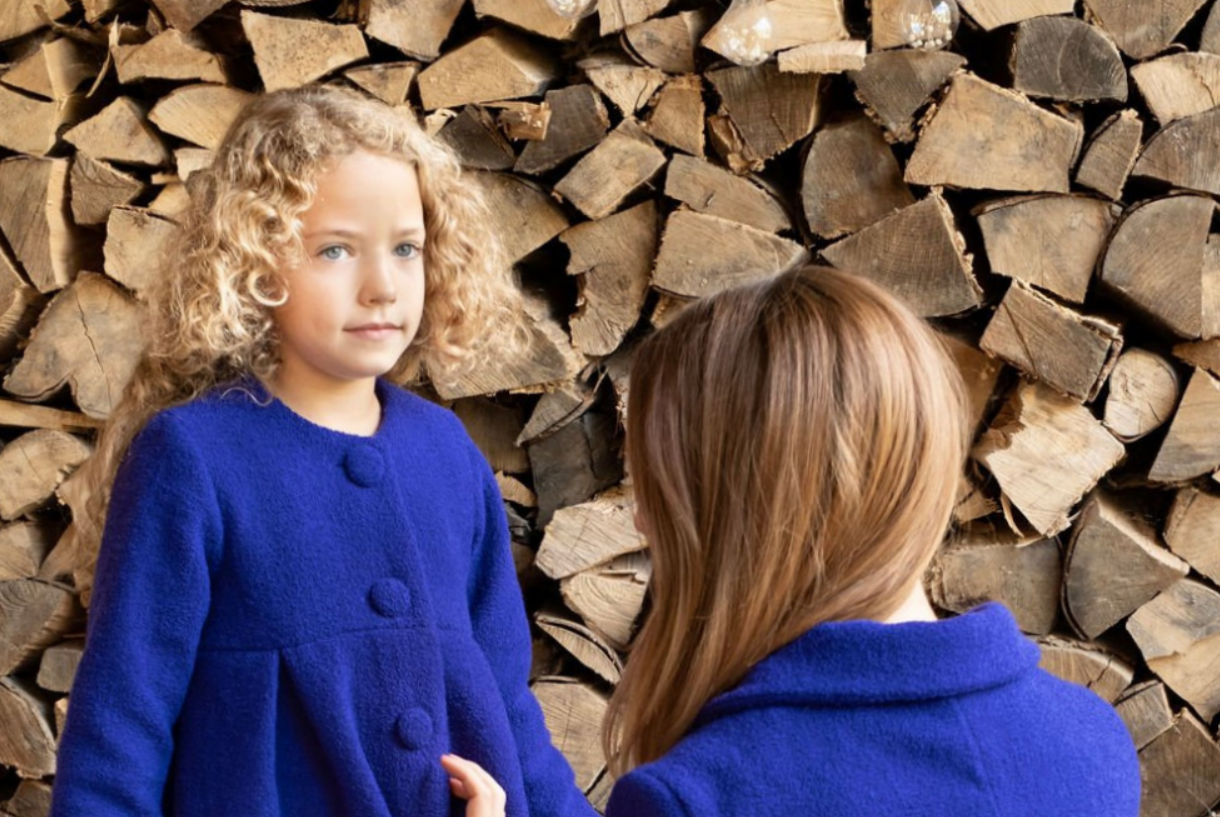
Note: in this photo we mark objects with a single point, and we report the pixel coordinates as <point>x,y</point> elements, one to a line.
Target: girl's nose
<point>379,284</point>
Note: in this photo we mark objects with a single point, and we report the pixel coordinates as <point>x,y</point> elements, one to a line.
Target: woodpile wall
<point>1043,189</point>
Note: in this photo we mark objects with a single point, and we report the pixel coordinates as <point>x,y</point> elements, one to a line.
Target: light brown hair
<point>795,447</point>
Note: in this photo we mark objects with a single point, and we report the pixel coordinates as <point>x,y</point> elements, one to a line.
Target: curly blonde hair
<point>211,308</point>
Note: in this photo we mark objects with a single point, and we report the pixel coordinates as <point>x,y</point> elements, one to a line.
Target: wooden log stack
<point>1042,186</point>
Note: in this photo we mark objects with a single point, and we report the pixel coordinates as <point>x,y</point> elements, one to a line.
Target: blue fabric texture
<point>292,621</point>
<point>921,719</point>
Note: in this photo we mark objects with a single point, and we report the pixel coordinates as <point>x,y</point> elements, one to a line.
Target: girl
<point>304,593</point>
<point>795,447</point>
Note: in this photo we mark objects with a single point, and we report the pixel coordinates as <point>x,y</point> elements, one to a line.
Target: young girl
<point>304,594</point>
<point>795,447</point>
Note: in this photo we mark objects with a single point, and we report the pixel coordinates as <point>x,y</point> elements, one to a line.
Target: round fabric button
<point>414,729</point>
<point>390,598</point>
<point>364,465</point>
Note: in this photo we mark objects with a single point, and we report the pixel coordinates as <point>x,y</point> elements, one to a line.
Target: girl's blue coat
<point>293,621</point>
<point>860,719</point>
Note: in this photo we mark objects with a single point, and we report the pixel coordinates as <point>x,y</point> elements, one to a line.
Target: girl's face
<point>355,303</point>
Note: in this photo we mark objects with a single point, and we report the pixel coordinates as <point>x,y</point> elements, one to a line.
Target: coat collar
<point>852,663</point>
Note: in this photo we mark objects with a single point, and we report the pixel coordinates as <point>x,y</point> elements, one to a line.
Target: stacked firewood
<point>1041,184</point>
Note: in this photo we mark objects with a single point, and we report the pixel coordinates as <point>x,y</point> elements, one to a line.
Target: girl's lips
<point>375,331</point>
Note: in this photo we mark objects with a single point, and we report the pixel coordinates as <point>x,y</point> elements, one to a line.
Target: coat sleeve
<point>501,629</point>
<point>150,599</point>
<point>640,794</point>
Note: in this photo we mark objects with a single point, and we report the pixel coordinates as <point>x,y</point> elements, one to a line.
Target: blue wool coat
<point>289,620</point>
<point>923,719</point>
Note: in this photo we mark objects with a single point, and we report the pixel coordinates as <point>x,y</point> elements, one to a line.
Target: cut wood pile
<point>1043,188</point>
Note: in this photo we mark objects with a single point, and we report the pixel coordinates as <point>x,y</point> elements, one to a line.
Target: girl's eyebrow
<point>342,233</point>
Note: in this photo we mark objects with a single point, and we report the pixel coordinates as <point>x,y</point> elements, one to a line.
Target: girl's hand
<point>468,780</point>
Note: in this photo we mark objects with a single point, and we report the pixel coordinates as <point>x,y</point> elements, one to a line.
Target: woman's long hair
<point>795,447</point>
<point>210,309</point>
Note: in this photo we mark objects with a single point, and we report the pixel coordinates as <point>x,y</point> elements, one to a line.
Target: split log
<point>27,743</point>
<point>514,490</point>
<point>677,115</point>
<point>56,70</point>
<point>28,125</point>
<point>616,15</point>
<point>417,28</point>
<point>613,257</point>
<point>20,306</point>
<point>524,216</point>
<point>894,85</point>
<point>1067,60</point>
<point>1209,40</point>
<point>573,712</point>
<point>1178,633</point>
<point>708,188</point>
<point>600,181</point>
<point>669,43</point>
<point>627,85</point>
<point>59,663</point>
<point>979,372</point>
<point>1192,446</point>
<point>96,187</point>
<point>61,715</point>
<point>171,55</point>
<point>172,202</point>
<point>1066,350</point>
<point>972,503</point>
<point>573,465</point>
<point>766,111</point>
<point>824,58</point>
<point>1046,451</point>
<point>32,799</point>
<point>184,15</point>
<point>1139,34</point>
<point>599,795</point>
<point>1185,153</point>
<point>120,133</point>
<point>917,253</point>
<point>1111,153</point>
<point>578,122</point>
<point>1201,354</point>
<point>18,19</point>
<point>494,428</point>
<point>1155,260</point>
<point>88,338</point>
<point>200,114</point>
<point>477,140</point>
<point>32,466</point>
<point>554,410</point>
<point>583,644</point>
<point>1023,147</point>
<point>609,598</point>
<point>496,65</point>
<point>36,615</point>
<point>290,52</point>
<point>23,547</point>
<point>136,244</point>
<point>892,25</point>
<point>1143,394</point>
<point>850,179</point>
<point>1179,85</point>
<point>991,15</point>
<point>35,218</point>
<point>388,81</point>
<point>1052,242</point>
<point>1114,564</point>
<point>24,415</point>
<point>1145,710</point>
<point>535,16</point>
<point>189,161</point>
<point>1192,530</point>
<point>801,22</point>
<point>702,254</point>
<point>523,120</point>
<point>1180,770</point>
<point>589,534</point>
<point>1086,665</point>
<point>1025,576</point>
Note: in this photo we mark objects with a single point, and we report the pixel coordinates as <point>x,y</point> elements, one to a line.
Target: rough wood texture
<point>1143,394</point>
<point>701,254</point>
<point>292,52</point>
<point>613,257</point>
<point>708,188</point>
<point>1024,576</point>
<point>36,220</point>
<point>916,252</point>
<point>1178,634</point>
<point>199,113</point>
<point>824,58</point>
<point>893,26</point>
<point>1145,710</point>
<point>1051,242</point>
<point>88,339</point>
<point>59,663</point>
<point>1155,260</point>
<point>494,429</point>
<point>1185,154</point>
<point>1192,530</point>
<point>388,81</point>
<point>170,55</point>
<point>28,124</point>
<point>1087,665</point>
<point>417,28</point>
<point>532,15</point>
<point>478,141</point>
<point>616,15</point>
<point>1066,350</point>
<point>894,85</point>
<point>496,65</point>
<point>574,713</point>
<point>850,179</point>
<point>525,217</point>
<point>676,115</point>
<point>1179,85</point>
<point>1046,451</point>
<point>119,133</point>
<point>32,466</point>
<point>36,615</point>
<point>32,799</point>
<point>1025,148</point>
<point>627,85</point>
<point>578,122</point>
<point>55,70</point>
<point>96,187</point>
<point>583,644</point>
<point>17,19</point>
<point>1180,770</point>
<point>590,534</point>
<point>136,242</point>
<point>1110,155</point>
<point>27,743</point>
<point>991,14</point>
<point>1138,33</point>
<point>600,181</point>
<point>1192,446</point>
<point>979,373</point>
<point>23,547</point>
<point>574,464</point>
<point>1068,60</point>
<point>184,15</point>
<point>1114,564</point>
<point>669,43</point>
<point>609,598</point>
<point>769,110</point>
<point>554,410</point>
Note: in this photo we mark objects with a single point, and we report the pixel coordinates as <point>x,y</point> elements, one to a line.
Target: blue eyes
<point>332,253</point>
<point>336,252</point>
